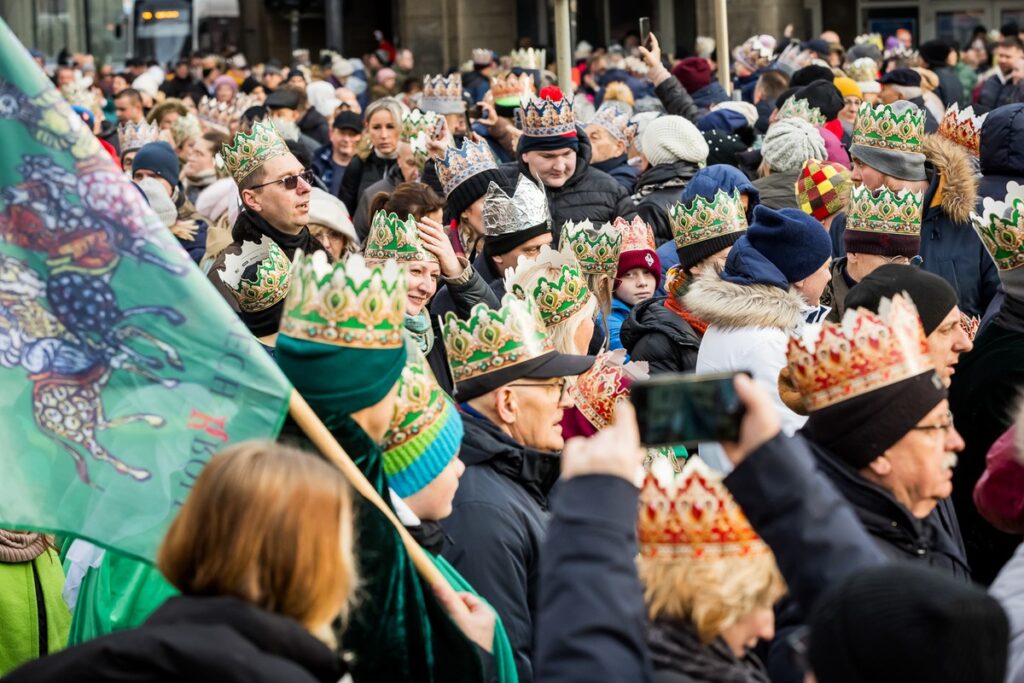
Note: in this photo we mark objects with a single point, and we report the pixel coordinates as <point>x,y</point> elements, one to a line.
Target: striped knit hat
<point>820,188</point>
<point>425,432</point>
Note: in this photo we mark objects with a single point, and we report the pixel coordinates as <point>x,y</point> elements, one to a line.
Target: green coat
<point>20,610</point>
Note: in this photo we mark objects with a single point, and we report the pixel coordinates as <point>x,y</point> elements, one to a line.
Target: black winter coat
<point>994,94</point>
<point>498,523</point>
<point>315,126</point>
<point>661,337</point>
<point>657,189</point>
<point>359,175</point>
<point>950,88</point>
<point>1002,151</point>
<point>676,100</point>
<point>620,169</point>
<point>196,639</point>
<point>489,287</point>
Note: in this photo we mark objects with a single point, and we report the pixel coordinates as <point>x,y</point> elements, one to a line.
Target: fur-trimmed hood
<point>958,177</point>
<point>730,305</point>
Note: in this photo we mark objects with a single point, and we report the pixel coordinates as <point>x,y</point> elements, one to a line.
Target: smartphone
<point>685,409</point>
<point>476,112</point>
<point>439,127</point>
<point>645,32</point>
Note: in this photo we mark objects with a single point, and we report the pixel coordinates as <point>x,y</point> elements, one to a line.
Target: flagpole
<point>722,40</point>
<point>332,450</point>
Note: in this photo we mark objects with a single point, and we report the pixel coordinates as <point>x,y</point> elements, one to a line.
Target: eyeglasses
<point>944,427</point>
<point>290,181</point>
<point>903,260</point>
<point>561,385</point>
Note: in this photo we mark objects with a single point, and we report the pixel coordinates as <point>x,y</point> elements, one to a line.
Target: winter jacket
<point>190,222</point>
<point>950,89</point>
<point>778,190</point>
<point>747,84</point>
<point>486,286</point>
<point>315,126</point>
<point>620,169</point>
<point>498,523</point>
<point>676,648</point>
<point>711,94</point>
<point>196,639</point>
<point>931,124</point>
<point>995,92</point>
<point>590,612</point>
<point>1002,151</point>
<point>997,493</point>
<point>1008,589</point>
<point>476,84</point>
<point>661,337</point>
<point>985,390</point>
<point>836,290</point>
<point>361,220</point>
<point>588,194</point>
<point>676,100</point>
<point>330,173</point>
<point>359,175</point>
<point>34,617</point>
<point>657,189</point>
<point>617,316</point>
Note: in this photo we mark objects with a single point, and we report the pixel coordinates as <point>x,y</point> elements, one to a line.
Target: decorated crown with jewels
<point>963,127</point>
<point>596,249</point>
<point>703,220</point>
<point>883,128</point>
<point>615,122</point>
<point>416,122</point>
<point>77,94</point>
<point>185,128</point>
<point>526,208</point>
<point>482,56</point>
<point>1000,225</point>
<point>597,390</point>
<point>392,237</point>
<point>799,108</point>
<point>884,211</point>
<point>490,339</point>
<point>528,58</point>
<point>352,303</point>
<point>553,280</point>
<point>540,117</point>
<point>690,515</point>
<point>636,234</point>
<point>133,136</point>
<point>461,163</point>
<point>219,116</point>
<point>257,276</point>
<point>510,89</point>
<point>249,151</point>
<point>862,70</point>
<point>832,362</point>
<point>443,94</point>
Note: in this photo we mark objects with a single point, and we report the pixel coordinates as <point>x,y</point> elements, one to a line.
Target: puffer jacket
<point>657,189</point>
<point>711,94</point>
<point>661,337</point>
<point>361,220</point>
<point>676,100</point>
<point>995,93</point>
<point>620,169</point>
<point>486,286</point>
<point>1002,151</point>
<point>950,89</point>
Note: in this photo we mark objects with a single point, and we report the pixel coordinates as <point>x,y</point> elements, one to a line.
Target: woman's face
<point>851,103</point>
<point>383,132</point>
<point>225,93</point>
<point>334,242</point>
<point>744,634</point>
<point>474,216</point>
<point>421,278</point>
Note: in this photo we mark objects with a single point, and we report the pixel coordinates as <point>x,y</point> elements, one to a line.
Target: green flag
<point>122,371</point>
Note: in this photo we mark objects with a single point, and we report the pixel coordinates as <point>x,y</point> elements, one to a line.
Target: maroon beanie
<point>693,72</point>
<point>639,258</point>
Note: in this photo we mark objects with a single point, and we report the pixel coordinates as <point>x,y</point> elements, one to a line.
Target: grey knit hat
<point>668,139</point>
<point>790,143</point>
<point>902,165</point>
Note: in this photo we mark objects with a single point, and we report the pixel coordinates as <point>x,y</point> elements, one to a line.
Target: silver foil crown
<point>525,209</point>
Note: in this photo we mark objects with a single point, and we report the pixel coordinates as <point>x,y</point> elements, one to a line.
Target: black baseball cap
<point>348,120</point>
<point>547,366</point>
<point>282,98</point>
<point>907,77</point>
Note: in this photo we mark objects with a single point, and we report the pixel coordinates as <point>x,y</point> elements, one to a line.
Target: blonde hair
<point>388,104</point>
<point>271,525</point>
<point>711,593</point>
<point>617,91</point>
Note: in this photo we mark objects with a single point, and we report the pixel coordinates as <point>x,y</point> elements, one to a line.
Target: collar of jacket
<point>609,165</point>
<point>654,317</point>
<point>676,174</point>
<point>953,183</point>
<point>731,305</point>
<point>675,646</point>
<point>485,444</point>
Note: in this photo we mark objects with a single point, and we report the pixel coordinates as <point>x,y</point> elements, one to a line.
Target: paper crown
<point>1001,227</point>
<point>461,163</point>
<point>866,351</point>
<point>482,56</point>
<point>133,136</point>
<point>963,127</point>
<point>884,211</point>
<point>553,280</point>
<point>219,116</point>
<point>597,390</point>
<point>510,89</point>
<point>392,237</point>
<point>416,122</point>
<point>636,235</point>
<point>352,304</point>
<point>870,39</point>
<point>970,324</point>
<point>690,515</point>
<point>78,95</point>
<point>541,118</point>
<point>528,58</point>
<point>258,276</point>
<point>596,249</point>
<point>799,108</point>
<point>185,128</point>
<point>526,208</point>
<point>863,70</point>
<point>883,128</point>
<point>249,151</point>
<point>615,122</point>
<point>490,339</point>
<point>443,94</point>
<point>704,220</point>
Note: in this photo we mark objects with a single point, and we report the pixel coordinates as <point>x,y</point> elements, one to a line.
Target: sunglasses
<point>290,181</point>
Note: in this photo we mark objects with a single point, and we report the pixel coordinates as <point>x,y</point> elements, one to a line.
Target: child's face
<point>635,286</point>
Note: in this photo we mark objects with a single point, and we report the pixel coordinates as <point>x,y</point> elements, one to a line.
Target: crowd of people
<point>463,274</point>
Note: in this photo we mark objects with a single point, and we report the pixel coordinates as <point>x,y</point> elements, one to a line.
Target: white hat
<point>327,210</point>
<point>668,139</point>
<point>159,201</point>
<point>321,97</point>
<point>341,67</point>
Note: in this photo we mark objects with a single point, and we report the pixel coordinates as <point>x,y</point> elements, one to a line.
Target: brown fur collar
<point>730,305</point>
<point>959,183</point>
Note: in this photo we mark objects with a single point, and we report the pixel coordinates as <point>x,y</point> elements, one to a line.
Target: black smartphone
<point>645,32</point>
<point>685,409</point>
<point>476,112</point>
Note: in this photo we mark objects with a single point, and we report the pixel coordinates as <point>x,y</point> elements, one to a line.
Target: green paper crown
<point>884,211</point>
<point>596,249</point>
<point>267,284</point>
<point>1001,227</point>
<point>416,122</point>
<point>883,128</point>
<point>553,280</point>
<point>350,304</point>
<point>249,152</point>
<point>799,108</point>
<point>419,403</point>
<point>704,220</point>
<point>490,340</point>
<point>392,238</point>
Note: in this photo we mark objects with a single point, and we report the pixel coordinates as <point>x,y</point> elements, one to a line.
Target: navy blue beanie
<point>160,158</point>
<point>794,242</point>
<point>546,143</point>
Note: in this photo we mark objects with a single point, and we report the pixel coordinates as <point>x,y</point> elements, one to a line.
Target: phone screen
<point>685,409</point>
<point>645,30</point>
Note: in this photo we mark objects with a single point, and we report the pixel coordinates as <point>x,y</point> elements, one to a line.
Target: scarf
<point>699,326</point>
<point>420,329</point>
<point>675,646</point>
<point>204,179</point>
<point>17,547</point>
<point>251,226</point>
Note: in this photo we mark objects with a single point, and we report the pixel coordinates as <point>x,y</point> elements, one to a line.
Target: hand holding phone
<point>645,32</point>
<point>676,408</point>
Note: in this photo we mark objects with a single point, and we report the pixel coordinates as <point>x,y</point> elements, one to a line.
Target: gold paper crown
<point>867,351</point>
<point>963,127</point>
<point>799,108</point>
<point>863,70</point>
<point>443,94</point>
<point>884,211</point>
<point>416,122</point>
<point>133,136</point>
<point>692,516</point>
<point>185,128</point>
<point>258,276</point>
<point>394,238</point>
<point>636,235</point>
<point>597,390</point>
<point>351,304</point>
<point>249,152</point>
<point>220,116</point>
<point>1001,227</point>
<point>596,249</point>
<point>883,128</point>
<point>704,220</point>
<point>462,163</point>
<point>512,87</point>
<point>546,118</point>
<point>528,58</point>
<point>490,339</point>
<point>553,280</point>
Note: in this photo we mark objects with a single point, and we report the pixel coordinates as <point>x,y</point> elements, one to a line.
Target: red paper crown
<point>597,390</point>
<point>963,128</point>
<point>636,235</point>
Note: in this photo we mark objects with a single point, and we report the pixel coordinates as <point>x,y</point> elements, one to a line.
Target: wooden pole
<point>336,455</point>
<point>563,50</point>
<point>722,40</point>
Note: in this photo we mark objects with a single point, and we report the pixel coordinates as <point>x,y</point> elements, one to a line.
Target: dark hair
<point>1010,42</point>
<point>773,83</point>
<point>416,199</point>
<point>130,93</point>
<point>216,139</point>
<point>410,84</point>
